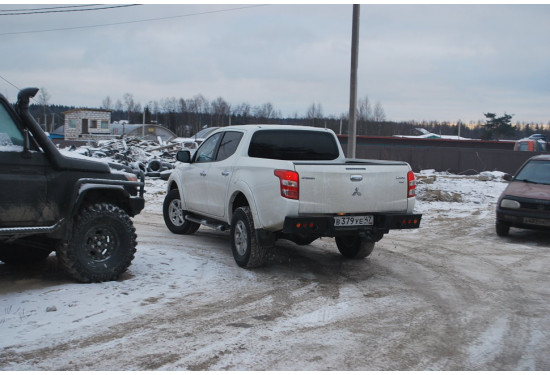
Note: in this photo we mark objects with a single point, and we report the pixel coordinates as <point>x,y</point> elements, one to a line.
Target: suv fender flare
<point>241,187</point>
<point>81,190</point>
<point>170,186</point>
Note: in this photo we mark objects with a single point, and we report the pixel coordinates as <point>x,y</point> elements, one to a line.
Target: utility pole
<point>143,124</point>
<point>352,128</point>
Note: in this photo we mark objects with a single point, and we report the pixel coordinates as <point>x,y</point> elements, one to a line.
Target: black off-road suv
<point>76,207</point>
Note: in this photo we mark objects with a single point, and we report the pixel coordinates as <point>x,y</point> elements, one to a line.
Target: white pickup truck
<point>265,182</point>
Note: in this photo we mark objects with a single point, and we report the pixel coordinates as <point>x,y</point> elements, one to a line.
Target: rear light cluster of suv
<point>290,187</point>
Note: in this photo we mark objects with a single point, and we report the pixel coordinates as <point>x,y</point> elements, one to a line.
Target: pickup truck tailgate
<point>352,188</point>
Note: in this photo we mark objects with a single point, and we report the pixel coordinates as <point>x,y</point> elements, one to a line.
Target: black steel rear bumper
<point>323,226</point>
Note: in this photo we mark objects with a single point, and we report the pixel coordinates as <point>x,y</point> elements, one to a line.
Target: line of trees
<point>187,116</point>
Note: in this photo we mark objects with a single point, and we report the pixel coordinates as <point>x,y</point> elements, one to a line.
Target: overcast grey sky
<point>421,62</point>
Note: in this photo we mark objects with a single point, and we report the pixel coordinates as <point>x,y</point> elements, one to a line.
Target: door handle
<point>225,173</point>
<point>203,173</point>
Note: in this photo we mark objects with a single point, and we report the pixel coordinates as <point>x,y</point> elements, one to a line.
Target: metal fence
<point>459,157</point>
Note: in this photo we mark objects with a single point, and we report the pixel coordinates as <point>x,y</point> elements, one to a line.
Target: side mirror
<point>26,145</point>
<point>507,177</point>
<point>183,156</point>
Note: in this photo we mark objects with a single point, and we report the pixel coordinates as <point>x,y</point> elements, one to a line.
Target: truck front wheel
<point>246,250</point>
<point>354,246</point>
<point>174,217</point>
<point>102,245</point>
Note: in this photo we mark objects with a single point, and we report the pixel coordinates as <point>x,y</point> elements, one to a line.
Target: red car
<point>525,203</point>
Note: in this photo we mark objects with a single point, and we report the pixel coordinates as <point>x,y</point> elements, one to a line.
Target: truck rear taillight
<point>289,183</point>
<point>411,185</point>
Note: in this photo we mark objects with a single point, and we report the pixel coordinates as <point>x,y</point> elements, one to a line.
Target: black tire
<point>354,246</point>
<point>19,254</point>
<point>102,245</point>
<point>174,216</point>
<point>246,250</point>
<point>154,166</point>
<point>502,229</point>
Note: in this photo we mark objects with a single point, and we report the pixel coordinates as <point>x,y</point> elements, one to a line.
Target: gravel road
<point>448,296</point>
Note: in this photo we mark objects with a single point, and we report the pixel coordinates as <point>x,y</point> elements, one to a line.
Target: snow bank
<point>455,195</point>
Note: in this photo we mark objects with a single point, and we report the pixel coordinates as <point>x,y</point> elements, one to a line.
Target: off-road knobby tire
<point>102,245</point>
<point>174,216</point>
<point>246,250</point>
<point>502,229</point>
<point>354,246</point>
<point>17,254</point>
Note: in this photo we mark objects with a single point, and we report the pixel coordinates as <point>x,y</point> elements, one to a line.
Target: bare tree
<point>220,110</point>
<point>43,99</point>
<point>182,106</point>
<point>129,103</point>
<point>364,115</point>
<point>378,114</point>
<point>197,106</point>
<point>364,109</point>
<point>169,108</point>
<point>155,110</point>
<point>314,112</point>
<point>265,112</point>
<point>169,105</point>
<point>107,103</point>
<point>243,112</point>
<point>118,105</point>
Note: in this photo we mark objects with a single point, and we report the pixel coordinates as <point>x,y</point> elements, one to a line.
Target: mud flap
<point>265,238</point>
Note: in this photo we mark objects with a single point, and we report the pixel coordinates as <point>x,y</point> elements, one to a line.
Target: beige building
<point>85,123</point>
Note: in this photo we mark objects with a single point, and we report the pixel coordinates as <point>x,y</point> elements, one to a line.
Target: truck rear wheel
<point>354,246</point>
<point>102,245</point>
<point>246,250</point>
<point>174,217</point>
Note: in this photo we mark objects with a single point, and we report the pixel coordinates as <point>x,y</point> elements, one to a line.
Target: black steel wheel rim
<point>101,243</point>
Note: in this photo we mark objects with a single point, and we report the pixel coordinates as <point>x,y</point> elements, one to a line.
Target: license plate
<point>347,221</point>
<point>533,221</point>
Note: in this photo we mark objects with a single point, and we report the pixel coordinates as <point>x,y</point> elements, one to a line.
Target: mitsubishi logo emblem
<point>356,192</point>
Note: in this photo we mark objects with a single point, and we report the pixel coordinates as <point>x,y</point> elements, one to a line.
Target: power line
<point>66,10</point>
<point>10,83</point>
<point>130,22</point>
<point>62,7</point>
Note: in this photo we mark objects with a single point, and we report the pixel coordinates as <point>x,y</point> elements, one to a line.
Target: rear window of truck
<point>293,145</point>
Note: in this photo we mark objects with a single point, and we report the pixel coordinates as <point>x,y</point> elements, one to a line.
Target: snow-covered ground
<point>450,295</point>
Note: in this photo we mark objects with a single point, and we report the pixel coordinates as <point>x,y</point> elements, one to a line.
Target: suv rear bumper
<point>323,226</point>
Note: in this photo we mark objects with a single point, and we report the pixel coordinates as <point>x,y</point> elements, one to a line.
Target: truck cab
<point>76,207</point>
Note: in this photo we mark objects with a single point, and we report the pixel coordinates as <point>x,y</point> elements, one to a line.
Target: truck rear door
<point>352,188</point>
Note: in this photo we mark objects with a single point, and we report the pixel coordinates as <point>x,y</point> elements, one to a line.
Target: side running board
<point>209,223</point>
<point>31,230</point>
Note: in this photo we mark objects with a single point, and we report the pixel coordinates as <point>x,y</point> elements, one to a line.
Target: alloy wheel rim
<point>175,213</point>
<point>241,238</point>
